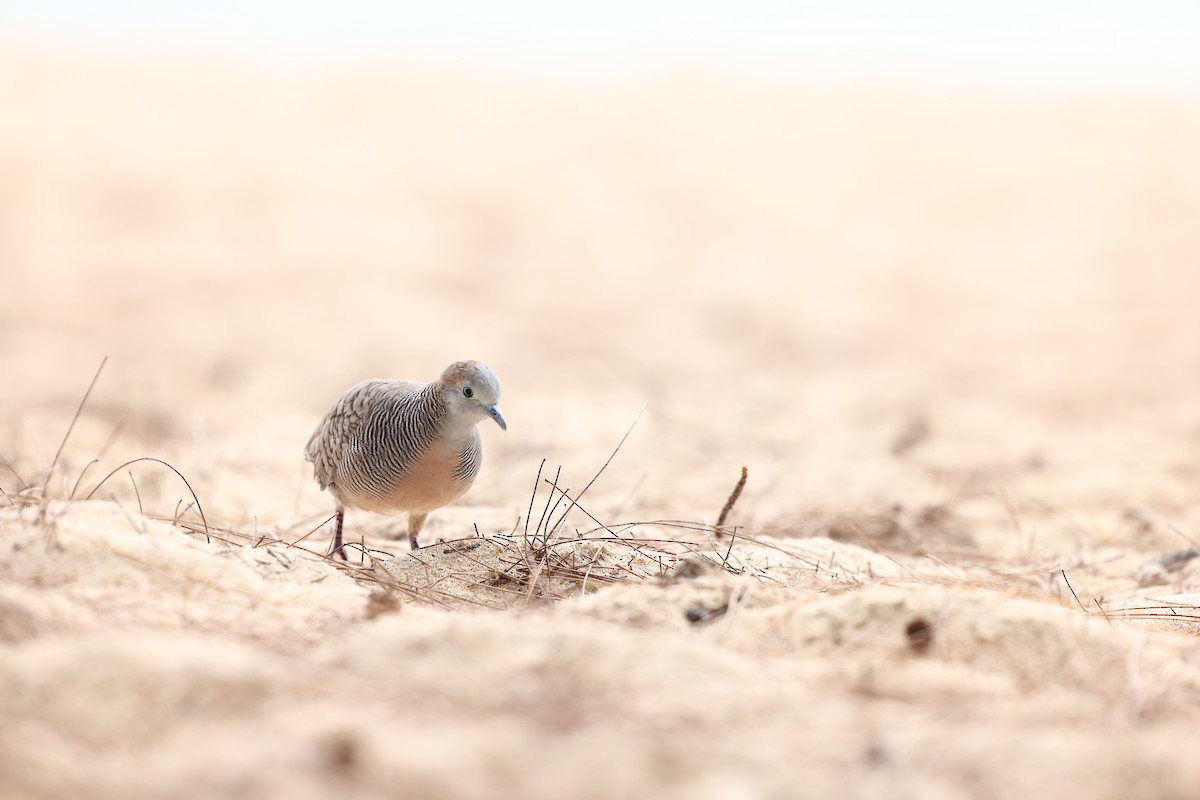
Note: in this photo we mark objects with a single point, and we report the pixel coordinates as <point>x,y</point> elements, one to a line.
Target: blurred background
<point>887,255</point>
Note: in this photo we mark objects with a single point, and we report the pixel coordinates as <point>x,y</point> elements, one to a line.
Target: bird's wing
<point>333,435</point>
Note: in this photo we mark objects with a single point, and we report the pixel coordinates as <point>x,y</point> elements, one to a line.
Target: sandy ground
<point>951,334</point>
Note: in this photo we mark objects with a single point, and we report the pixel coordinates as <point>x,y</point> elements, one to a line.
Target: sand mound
<point>500,573</point>
<point>297,684</point>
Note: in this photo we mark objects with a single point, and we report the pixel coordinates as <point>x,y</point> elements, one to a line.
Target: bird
<point>388,446</point>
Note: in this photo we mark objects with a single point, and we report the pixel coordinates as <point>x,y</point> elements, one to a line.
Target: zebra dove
<point>387,446</point>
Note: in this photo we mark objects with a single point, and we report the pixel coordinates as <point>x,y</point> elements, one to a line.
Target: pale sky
<point>1101,42</point>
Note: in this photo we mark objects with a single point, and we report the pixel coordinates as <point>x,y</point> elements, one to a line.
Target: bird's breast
<point>431,480</point>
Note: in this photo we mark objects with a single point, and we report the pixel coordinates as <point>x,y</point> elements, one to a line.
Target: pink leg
<point>415,523</point>
<point>337,535</point>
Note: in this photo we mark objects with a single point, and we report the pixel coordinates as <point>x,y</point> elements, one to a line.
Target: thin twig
<point>137,494</point>
<point>1068,583</point>
<point>310,533</point>
<point>1195,545</point>
<point>78,480</point>
<point>725,558</point>
<point>533,496</point>
<point>112,437</point>
<point>603,467</point>
<point>74,419</point>
<point>546,510</point>
<point>629,496</point>
<point>17,475</point>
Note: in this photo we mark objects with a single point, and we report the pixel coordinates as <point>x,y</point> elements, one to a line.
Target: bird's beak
<point>494,412</point>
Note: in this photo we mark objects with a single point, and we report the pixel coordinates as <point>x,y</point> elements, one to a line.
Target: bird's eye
<point>467,392</point>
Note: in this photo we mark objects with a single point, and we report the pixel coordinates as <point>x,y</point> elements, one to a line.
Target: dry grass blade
<point>533,495</point>
<point>603,467</point>
<point>195,498</point>
<point>21,481</point>
<point>79,480</point>
<point>74,419</point>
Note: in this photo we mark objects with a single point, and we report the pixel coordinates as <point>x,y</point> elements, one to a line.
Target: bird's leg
<point>337,535</point>
<point>415,522</point>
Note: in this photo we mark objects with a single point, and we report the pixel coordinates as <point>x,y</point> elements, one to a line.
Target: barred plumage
<point>389,446</point>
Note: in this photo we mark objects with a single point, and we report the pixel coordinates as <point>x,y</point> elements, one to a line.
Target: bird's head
<point>474,390</point>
